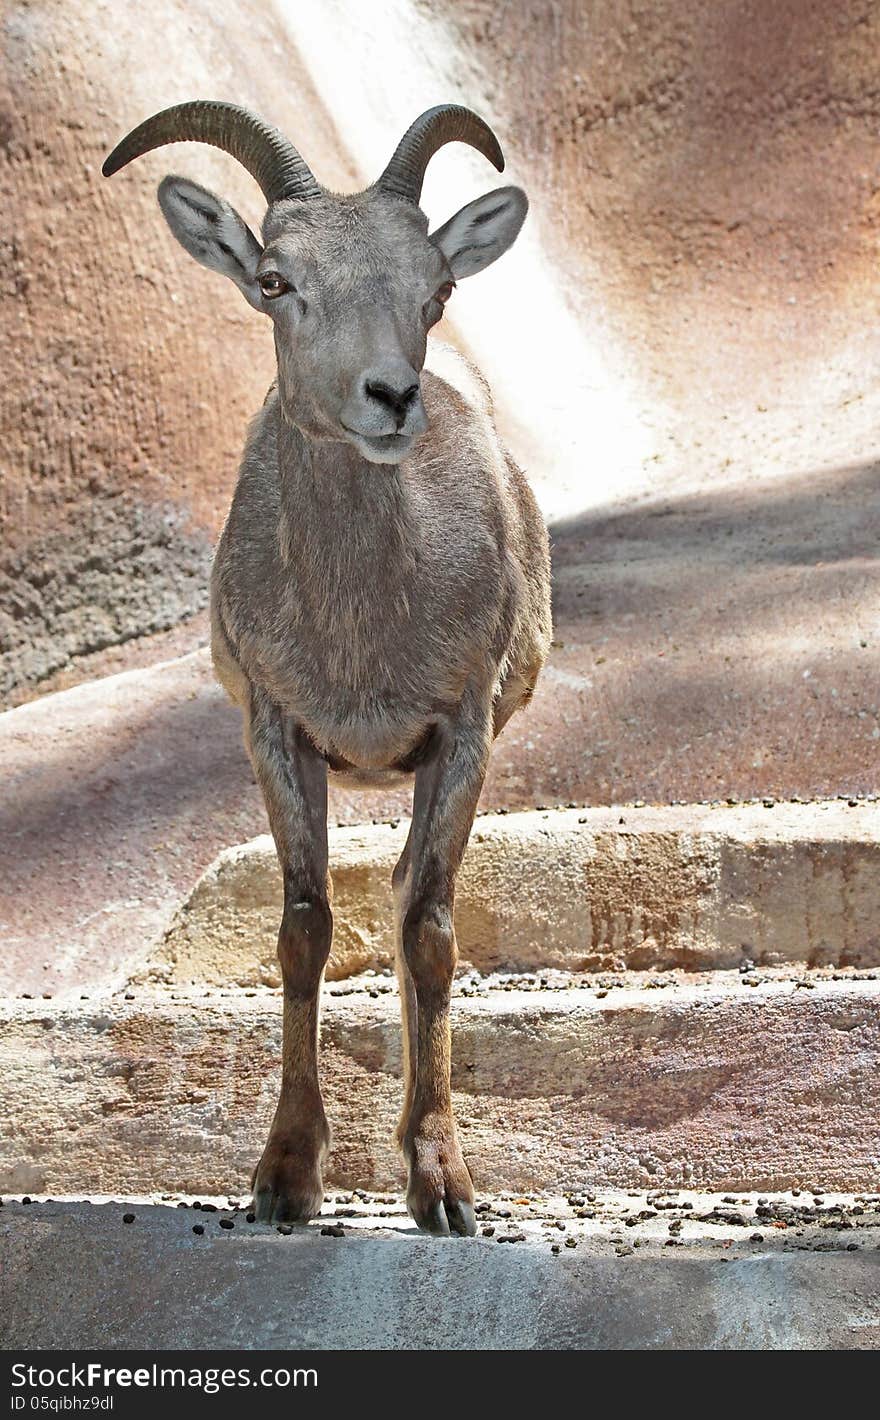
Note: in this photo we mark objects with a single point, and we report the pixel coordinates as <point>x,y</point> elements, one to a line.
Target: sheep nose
<point>394,390</point>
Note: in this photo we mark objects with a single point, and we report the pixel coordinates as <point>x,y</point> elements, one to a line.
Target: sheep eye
<point>433,309</point>
<point>272,285</point>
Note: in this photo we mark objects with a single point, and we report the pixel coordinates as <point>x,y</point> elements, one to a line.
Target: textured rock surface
<point>709,191</point>
<point>579,890</point>
<point>707,1086</point>
<point>129,570</point>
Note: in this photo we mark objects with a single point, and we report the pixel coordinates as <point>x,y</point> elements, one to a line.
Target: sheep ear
<point>481,232</point>
<point>212,231</point>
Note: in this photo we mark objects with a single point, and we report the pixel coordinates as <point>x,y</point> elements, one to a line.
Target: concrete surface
<point>755,1083</point>
<point>154,1284</point>
<point>577,889</point>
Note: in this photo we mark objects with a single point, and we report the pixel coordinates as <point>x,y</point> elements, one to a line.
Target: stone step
<point>711,1084</point>
<point>639,1273</point>
<point>117,794</point>
<point>578,889</point>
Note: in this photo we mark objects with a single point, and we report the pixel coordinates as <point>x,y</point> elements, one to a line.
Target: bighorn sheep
<point>380,593</point>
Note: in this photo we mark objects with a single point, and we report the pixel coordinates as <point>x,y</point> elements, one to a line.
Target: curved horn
<point>448,123</point>
<point>266,153</point>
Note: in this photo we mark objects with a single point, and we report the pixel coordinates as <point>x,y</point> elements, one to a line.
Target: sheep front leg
<point>287,1184</point>
<point>440,1193</point>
